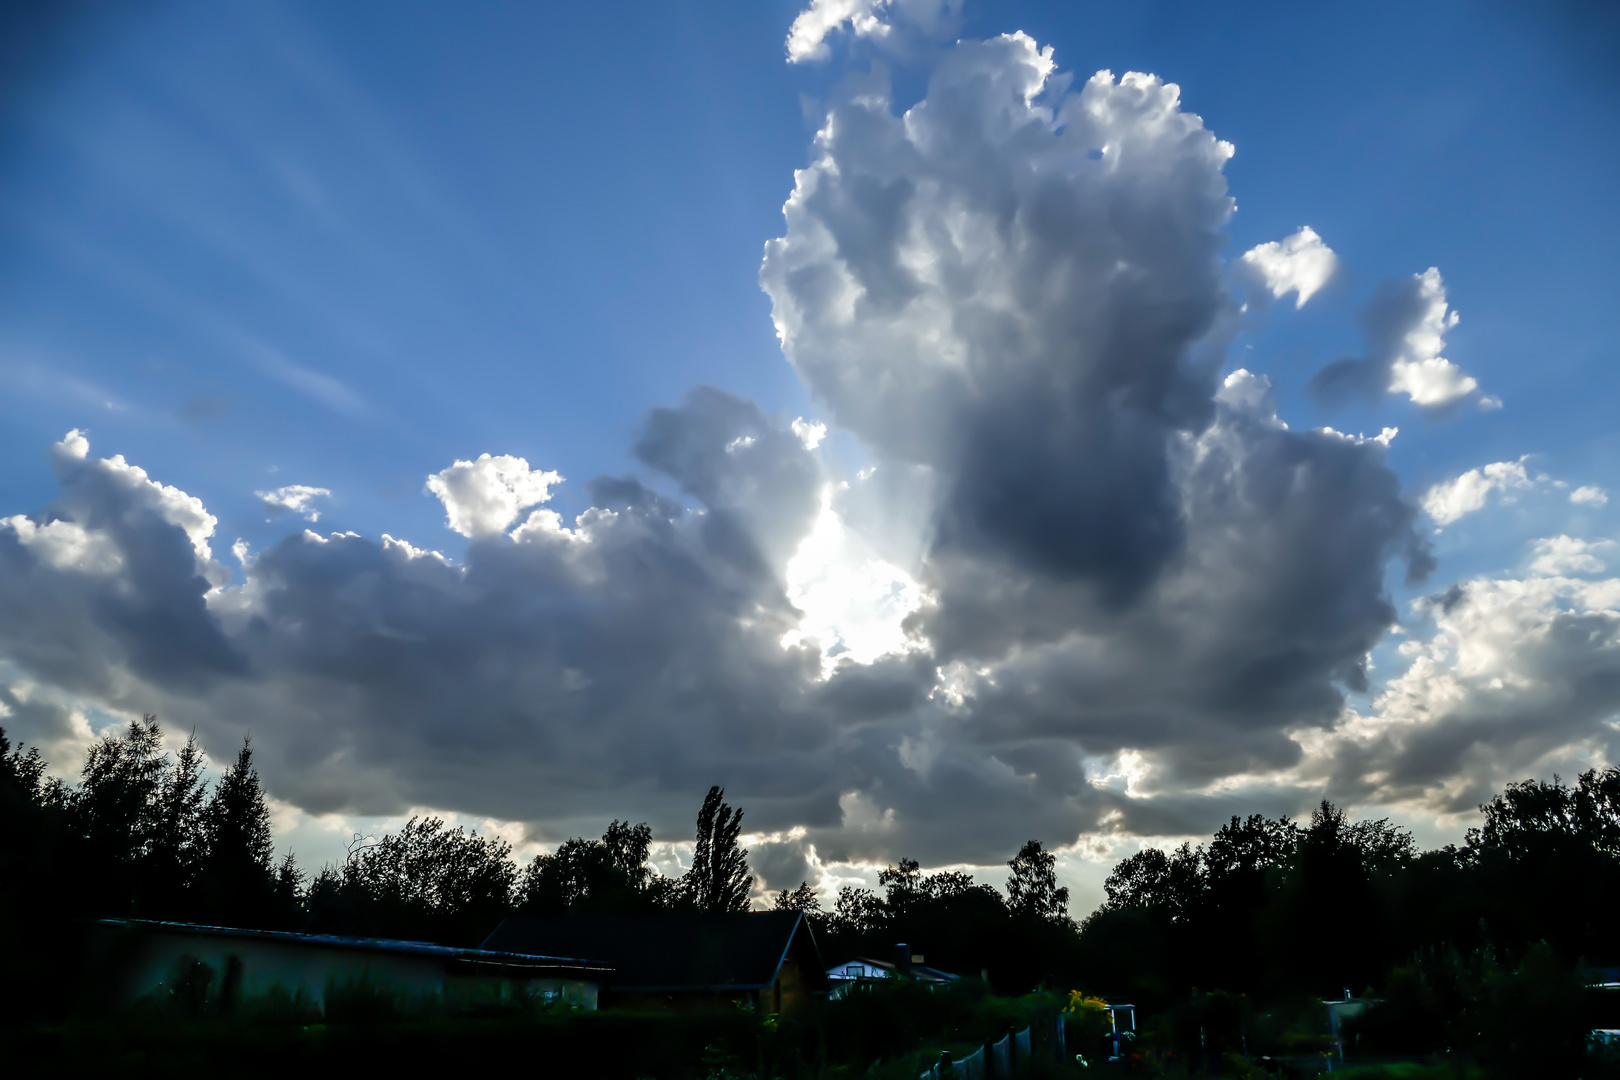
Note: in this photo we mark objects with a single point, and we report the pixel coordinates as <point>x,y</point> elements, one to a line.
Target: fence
<point>1003,1054</point>
<point>1001,1057</point>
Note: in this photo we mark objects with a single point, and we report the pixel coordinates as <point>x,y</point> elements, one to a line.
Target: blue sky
<point>513,229</point>
<point>255,245</point>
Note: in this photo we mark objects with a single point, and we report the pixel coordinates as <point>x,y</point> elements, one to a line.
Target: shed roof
<point>674,951</point>
<point>467,961</point>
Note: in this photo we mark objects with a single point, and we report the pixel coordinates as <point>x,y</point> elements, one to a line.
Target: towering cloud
<point>1087,580</point>
<point>1016,289</point>
<point>1007,286</point>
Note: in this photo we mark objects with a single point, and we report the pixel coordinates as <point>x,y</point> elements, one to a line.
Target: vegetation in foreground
<point>1476,951</point>
<point>896,1029</point>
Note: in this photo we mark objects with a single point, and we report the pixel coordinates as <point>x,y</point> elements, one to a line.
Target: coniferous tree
<point>115,812</point>
<point>23,825</point>
<point>718,879</point>
<point>179,841</point>
<point>40,888</point>
<point>238,869</point>
<point>288,891</point>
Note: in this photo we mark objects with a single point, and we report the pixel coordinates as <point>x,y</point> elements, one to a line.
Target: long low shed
<point>145,959</point>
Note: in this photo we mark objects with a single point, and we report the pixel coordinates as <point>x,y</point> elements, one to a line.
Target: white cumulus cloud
<point>1419,371</point>
<point>1300,264</point>
<point>1405,324</point>
<point>1589,495</point>
<point>170,503</point>
<point>483,497</point>
<point>809,433</point>
<point>1519,677</point>
<point>873,19</point>
<point>67,545</point>
<point>1559,556</point>
<point>294,499</point>
<point>807,37</point>
<point>1451,500</point>
<point>1072,542</point>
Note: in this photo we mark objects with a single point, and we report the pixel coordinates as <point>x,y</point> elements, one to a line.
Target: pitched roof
<point>674,951</point>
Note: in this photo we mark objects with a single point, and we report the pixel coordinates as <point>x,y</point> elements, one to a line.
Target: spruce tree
<point>178,840</point>
<point>238,868</point>
<point>115,814</point>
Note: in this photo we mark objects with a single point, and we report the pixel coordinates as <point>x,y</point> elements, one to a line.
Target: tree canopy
<point>1266,906</point>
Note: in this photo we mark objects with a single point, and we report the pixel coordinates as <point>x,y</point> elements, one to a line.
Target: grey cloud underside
<point>615,672</point>
<point>1012,296</point>
<point>1262,616</point>
<point>1396,307</point>
<point>1549,707</point>
<point>74,629</point>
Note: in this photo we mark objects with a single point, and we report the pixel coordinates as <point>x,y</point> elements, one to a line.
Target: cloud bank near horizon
<point>1088,585</point>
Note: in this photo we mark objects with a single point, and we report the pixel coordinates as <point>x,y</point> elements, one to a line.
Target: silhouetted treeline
<point>1019,940</point>
<point>1270,907</point>
<point>142,835</point>
<point>1267,907</point>
<point>432,883</point>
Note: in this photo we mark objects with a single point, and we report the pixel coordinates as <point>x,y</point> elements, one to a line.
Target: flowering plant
<point>1081,1004</point>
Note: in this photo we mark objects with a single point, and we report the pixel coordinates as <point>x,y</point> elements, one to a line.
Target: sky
<point>941,424</point>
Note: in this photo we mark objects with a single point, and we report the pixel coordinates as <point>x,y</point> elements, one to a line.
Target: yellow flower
<point>1079,1003</point>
